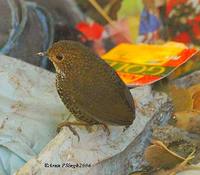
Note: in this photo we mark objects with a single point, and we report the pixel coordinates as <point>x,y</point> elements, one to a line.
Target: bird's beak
<point>42,54</point>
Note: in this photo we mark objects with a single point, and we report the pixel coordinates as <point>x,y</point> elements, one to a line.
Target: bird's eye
<point>59,57</point>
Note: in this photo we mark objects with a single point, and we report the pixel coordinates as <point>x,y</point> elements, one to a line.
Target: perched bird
<point>89,87</point>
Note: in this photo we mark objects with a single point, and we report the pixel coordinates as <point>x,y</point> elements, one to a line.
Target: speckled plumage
<point>89,87</point>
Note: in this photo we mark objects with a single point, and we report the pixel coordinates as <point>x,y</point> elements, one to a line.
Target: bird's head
<point>63,53</point>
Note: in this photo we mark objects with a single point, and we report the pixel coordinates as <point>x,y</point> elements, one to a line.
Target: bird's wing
<point>103,96</point>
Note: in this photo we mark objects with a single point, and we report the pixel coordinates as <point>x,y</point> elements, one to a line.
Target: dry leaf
<point>193,89</point>
<point>159,156</point>
<point>196,101</point>
<point>195,94</point>
<point>180,167</point>
<point>169,163</point>
<point>181,98</point>
<point>189,121</point>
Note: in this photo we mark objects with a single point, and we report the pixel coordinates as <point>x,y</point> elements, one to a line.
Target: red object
<point>148,79</point>
<point>195,23</point>
<point>184,56</point>
<point>182,37</point>
<point>91,31</point>
<point>170,4</point>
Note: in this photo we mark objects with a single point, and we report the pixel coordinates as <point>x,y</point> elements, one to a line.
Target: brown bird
<point>89,87</point>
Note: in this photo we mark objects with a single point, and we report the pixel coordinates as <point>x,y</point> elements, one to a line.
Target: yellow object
<point>144,53</point>
<point>144,64</point>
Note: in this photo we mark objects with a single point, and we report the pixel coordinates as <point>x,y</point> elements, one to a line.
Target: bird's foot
<point>125,128</point>
<point>87,125</point>
<point>69,125</point>
<point>105,128</point>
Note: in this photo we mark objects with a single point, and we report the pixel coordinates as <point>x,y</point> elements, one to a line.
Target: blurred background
<point>30,26</point>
